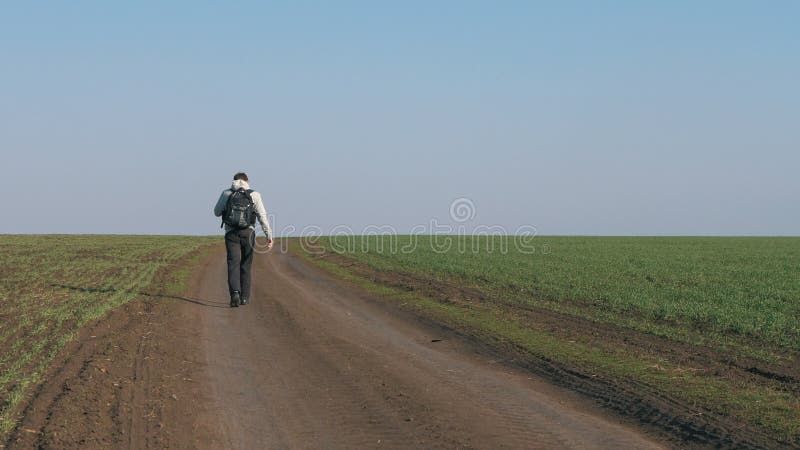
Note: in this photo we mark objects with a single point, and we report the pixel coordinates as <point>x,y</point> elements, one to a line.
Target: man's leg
<point>247,238</point>
<point>234,251</point>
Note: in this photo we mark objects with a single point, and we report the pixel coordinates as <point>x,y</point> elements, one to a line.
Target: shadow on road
<point>196,301</point>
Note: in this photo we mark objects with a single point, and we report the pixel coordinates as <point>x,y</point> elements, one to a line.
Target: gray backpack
<point>240,211</point>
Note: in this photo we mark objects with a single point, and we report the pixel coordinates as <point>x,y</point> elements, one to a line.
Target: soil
<point>685,425</point>
<point>314,362</point>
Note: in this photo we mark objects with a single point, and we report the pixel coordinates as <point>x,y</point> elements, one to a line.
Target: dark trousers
<point>240,245</point>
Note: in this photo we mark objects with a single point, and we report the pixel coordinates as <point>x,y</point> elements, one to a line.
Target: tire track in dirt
<point>138,427</point>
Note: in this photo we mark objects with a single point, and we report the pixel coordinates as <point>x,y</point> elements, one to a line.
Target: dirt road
<point>310,363</point>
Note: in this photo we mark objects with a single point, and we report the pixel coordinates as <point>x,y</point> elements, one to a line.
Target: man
<point>239,208</point>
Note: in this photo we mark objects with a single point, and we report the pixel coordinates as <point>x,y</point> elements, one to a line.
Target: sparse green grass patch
<point>52,285</point>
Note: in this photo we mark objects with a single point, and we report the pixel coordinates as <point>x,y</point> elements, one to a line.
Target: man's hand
<point>269,243</point>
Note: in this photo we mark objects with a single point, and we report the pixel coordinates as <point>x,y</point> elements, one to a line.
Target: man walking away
<point>239,208</point>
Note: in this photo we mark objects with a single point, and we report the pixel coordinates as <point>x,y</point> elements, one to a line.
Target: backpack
<point>239,210</point>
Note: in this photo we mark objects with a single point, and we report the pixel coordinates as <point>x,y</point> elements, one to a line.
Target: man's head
<point>240,176</point>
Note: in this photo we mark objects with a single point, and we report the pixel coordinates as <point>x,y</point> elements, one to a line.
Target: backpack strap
<point>252,218</point>
<point>227,207</point>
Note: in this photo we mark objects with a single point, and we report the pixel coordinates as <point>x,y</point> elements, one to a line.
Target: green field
<point>740,286</point>
<point>712,322</point>
<point>53,285</point>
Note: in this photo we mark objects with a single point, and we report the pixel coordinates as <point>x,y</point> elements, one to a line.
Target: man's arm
<point>220,206</point>
<point>261,213</point>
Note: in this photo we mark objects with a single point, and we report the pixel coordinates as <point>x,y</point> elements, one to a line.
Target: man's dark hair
<point>240,176</point>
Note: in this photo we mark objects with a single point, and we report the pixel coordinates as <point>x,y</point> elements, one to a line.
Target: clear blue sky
<point>575,117</point>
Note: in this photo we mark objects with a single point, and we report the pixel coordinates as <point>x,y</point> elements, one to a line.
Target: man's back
<point>261,213</point>
<point>240,240</point>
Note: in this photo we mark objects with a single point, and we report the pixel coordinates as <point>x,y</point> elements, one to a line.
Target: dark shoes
<point>235,299</point>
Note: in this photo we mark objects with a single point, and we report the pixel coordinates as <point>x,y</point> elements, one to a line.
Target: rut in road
<point>313,363</point>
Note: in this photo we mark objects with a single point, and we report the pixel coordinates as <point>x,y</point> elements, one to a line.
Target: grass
<point>743,286</point>
<point>53,285</point>
<point>736,296</point>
